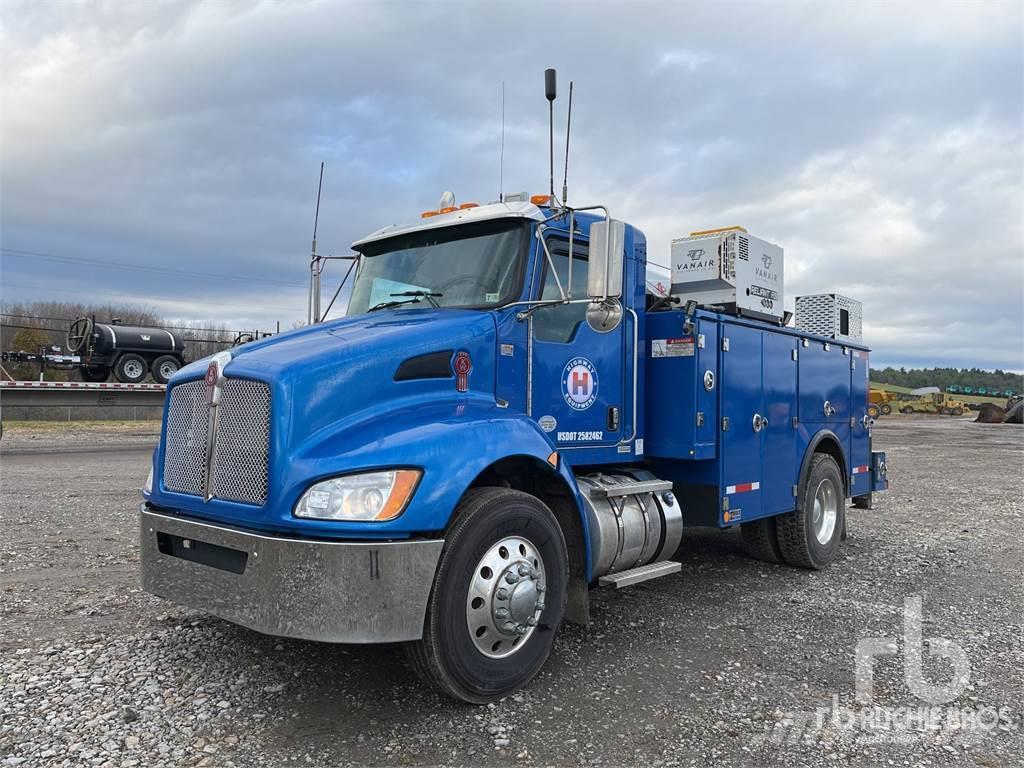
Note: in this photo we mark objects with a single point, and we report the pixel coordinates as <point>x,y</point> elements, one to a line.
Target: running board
<point>643,573</point>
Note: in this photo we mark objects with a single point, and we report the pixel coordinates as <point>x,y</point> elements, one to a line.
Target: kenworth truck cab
<point>505,418</point>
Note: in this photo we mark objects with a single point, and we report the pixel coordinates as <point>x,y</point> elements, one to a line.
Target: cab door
<point>576,374</point>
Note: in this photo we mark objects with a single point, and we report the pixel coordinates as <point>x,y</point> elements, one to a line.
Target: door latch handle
<point>827,409</point>
<point>759,422</point>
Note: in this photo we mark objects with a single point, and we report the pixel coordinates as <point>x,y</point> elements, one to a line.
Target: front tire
<point>95,373</point>
<point>886,409</point>
<point>809,537</point>
<point>874,411</point>
<point>498,597</point>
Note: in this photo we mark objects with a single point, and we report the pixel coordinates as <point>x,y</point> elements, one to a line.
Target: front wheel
<point>95,373</point>
<point>874,411</point>
<point>497,600</point>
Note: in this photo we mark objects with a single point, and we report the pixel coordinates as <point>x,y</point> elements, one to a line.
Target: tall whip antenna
<point>501,153</point>
<point>568,127</point>
<point>316,215</point>
<point>314,259</point>
<point>549,94</point>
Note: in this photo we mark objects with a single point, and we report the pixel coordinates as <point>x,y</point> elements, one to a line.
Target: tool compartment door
<point>780,467</point>
<point>824,379</point>
<point>860,432</point>
<point>741,398</point>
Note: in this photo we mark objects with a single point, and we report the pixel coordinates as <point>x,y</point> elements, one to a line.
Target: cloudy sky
<point>167,153</point>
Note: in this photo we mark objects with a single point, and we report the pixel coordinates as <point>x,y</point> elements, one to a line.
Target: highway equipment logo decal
<point>579,383</point>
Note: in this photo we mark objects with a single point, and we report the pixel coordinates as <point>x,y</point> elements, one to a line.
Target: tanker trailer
<point>129,351</point>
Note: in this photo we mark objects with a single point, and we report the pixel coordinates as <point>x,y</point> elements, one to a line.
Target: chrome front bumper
<point>338,592</point>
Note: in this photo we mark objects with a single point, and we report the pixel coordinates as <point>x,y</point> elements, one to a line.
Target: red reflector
<point>462,365</point>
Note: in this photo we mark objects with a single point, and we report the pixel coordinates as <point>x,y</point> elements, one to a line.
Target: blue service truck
<point>512,412</point>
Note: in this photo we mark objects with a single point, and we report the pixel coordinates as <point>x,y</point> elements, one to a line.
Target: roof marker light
<point>540,199</point>
<point>464,206</point>
<point>428,214</point>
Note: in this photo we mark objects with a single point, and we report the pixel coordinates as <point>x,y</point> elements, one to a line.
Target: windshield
<point>476,265</point>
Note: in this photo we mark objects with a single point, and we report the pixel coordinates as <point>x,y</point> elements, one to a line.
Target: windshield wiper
<point>428,295</point>
<point>392,304</point>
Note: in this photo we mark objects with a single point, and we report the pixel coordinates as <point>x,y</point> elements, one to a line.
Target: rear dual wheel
<point>497,600</point>
<point>810,536</point>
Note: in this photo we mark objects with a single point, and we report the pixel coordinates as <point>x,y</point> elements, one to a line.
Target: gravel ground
<point>725,663</point>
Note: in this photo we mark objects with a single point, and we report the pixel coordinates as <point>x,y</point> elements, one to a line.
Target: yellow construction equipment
<point>879,402</point>
<point>931,400</point>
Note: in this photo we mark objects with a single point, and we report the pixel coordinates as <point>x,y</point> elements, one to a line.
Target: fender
<point>452,441</point>
<point>805,465</point>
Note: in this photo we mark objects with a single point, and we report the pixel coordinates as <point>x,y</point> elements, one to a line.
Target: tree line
<point>949,377</point>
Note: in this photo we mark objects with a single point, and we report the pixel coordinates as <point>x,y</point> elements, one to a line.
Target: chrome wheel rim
<point>506,597</point>
<point>132,369</point>
<point>826,510</point>
<point>167,370</point>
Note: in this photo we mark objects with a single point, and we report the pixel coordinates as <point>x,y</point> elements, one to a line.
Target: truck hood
<point>344,370</point>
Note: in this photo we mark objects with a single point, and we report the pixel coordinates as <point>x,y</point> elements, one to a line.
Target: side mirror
<point>607,245</point>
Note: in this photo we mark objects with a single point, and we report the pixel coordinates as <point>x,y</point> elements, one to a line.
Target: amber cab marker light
<point>540,199</point>
<point>448,209</point>
<point>406,481</point>
<point>464,206</point>
<point>428,214</point>
<point>553,459</point>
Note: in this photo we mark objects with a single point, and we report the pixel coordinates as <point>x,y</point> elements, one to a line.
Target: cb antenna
<point>568,127</point>
<point>501,152</point>
<point>549,94</point>
<point>314,260</point>
<point>316,215</point>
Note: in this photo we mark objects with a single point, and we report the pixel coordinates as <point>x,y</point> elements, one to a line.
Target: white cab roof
<point>461,216</point>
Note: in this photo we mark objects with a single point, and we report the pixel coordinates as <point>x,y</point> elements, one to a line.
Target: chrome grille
<point>185,449</point>
<point>241,453</point>
<point>241,457</point>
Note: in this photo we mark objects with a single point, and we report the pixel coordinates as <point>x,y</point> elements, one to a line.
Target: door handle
<point>759,422</point>
<point>827,409</point>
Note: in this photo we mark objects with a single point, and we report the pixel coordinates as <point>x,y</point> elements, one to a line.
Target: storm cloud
<point>880,144</point>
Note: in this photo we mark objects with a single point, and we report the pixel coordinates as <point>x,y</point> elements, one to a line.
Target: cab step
<point>643,573</point>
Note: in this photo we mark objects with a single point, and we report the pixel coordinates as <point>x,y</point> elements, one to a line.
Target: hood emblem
<point>462,365</point>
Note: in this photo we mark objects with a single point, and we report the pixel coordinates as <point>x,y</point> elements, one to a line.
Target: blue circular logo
<point>579,383</point>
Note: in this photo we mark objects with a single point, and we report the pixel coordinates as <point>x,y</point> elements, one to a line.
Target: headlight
<point>148,487</point>
<point>373,496</point>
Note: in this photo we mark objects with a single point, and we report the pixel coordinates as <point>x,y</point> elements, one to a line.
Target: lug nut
<point>501,613</point>
<point>541,587</point>
<point>520,629</point>
<point>509,626</point>
<point>502,594</point>
<point>511,577</point>
<point>532,621</point>
<point>524,570</point>
<point>539,605</point>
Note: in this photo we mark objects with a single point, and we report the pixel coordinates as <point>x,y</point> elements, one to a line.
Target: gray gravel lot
<point>725,663</point>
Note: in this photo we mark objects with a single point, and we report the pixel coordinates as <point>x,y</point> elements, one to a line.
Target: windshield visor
<point>468,266</point>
